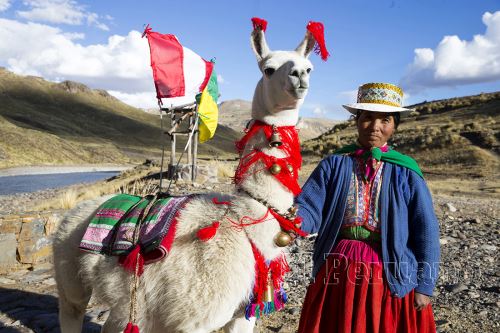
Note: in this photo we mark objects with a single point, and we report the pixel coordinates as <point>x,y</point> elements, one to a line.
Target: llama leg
<point>71,313</point>
<point>118,319</point>
<point>240,325</point>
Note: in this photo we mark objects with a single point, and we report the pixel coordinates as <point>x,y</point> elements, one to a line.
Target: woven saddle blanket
<point>112,229</point>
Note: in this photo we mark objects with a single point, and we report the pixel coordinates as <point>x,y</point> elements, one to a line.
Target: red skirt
<point>350,294</point>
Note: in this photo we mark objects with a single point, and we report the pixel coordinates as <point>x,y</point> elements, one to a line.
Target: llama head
<point>285,79</point>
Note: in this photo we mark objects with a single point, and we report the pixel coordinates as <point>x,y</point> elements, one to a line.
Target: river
<point>36,182</point>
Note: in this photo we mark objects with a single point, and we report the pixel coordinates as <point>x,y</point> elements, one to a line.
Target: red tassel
<point>259,23</point>
<point>318,31</point>
<point>131,328</point>
<point>207,233</point>
<point>129,262</point>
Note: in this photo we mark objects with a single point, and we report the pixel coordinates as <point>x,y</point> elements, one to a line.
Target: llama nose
<point>299,78</point>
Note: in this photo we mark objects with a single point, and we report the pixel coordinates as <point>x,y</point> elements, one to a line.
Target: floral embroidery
<point>380,93</point>
<point>362,200</point>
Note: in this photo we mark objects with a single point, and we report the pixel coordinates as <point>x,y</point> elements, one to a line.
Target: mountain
<point>450,137</point>
<point>236,114</point>
<point>43,122</point>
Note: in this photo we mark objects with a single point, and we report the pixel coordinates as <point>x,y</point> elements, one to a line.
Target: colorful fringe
<point>257,310</point>
<point>267,273</point>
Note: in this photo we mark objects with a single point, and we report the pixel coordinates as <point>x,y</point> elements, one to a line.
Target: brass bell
<point>269,293</point>
<point>275,169</point>
<point>282,239</point>
<point>275,140</point>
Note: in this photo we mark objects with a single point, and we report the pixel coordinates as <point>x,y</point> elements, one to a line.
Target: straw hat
<point>378,97</point>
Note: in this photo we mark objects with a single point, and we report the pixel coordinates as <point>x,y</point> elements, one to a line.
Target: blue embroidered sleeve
<point>312,199</point>
<point>424,234</point>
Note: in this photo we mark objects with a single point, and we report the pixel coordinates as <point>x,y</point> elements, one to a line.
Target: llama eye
<point>269,71</point>
<point>308,70</point>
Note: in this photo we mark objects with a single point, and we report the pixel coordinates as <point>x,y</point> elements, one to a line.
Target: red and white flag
<point>177,71</point>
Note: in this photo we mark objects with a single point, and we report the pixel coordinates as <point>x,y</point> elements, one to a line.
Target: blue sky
<point>433,48</point>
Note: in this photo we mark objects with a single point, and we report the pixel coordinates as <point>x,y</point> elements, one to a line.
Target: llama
<point>202,286</point>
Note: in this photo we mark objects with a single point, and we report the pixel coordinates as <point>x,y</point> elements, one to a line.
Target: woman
<point>377,251</point>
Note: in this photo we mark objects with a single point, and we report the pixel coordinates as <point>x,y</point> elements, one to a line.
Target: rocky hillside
<point>43,122</point>
<point>452,137</point>
<point>236,114</point>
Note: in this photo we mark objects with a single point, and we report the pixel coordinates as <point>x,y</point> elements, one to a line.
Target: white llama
<point>200,286</point>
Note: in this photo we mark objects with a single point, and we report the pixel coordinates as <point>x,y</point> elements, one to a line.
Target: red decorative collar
<point>290,165</point>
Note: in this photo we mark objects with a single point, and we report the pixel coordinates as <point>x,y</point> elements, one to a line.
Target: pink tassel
<point>129,262</point>
<point>207,233</point>
<point>259,23</point>
<point>131,328</point>
<point>318,31</point>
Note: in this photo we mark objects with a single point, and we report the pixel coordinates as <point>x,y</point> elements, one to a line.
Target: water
<point>33,183</point>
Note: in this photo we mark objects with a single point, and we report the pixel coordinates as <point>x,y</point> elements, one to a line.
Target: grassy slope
<point>458,137</point>
<point>49,123</point>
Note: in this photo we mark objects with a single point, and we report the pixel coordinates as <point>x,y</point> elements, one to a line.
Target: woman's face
<point>375,128</point>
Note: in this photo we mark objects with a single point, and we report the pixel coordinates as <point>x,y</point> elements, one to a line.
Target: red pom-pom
<point>131,328</point>
<point>207,233</point>
<point>318,31</point>
<point>259,23</point>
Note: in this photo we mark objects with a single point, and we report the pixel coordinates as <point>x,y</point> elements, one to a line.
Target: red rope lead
<point>288,225</point>
<point>259,23</point>
<point>318,31</point>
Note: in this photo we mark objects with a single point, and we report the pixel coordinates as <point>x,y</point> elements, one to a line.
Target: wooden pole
<point>195,149</point>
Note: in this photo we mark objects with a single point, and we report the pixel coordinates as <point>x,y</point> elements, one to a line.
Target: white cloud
<point>145,100</point>
<point>318,111</point>
<point>4,5</point>
<point>220,79</point>
<point>60,11</point>
<point>455,61</point>
<point>122,64</point>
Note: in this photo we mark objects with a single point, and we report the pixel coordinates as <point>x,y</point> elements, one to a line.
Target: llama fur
<point>200,286</point>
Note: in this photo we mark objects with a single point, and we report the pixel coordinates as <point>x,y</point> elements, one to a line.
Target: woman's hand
<point>421,301</point>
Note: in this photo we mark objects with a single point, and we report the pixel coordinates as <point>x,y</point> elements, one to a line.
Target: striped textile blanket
<point>111,229</point>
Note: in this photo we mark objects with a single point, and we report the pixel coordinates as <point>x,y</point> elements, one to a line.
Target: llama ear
<point>258,39</point>
<point>259,44</point>
<point>307,45</point>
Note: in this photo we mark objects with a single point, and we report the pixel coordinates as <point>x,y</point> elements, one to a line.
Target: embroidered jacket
<point>408,224</point>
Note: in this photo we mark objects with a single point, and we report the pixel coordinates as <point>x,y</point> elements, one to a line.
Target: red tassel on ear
<point>259,23</point>
<point>129,262</point>
<point>131,328</point>
<point>318,31</point>
<point>207,233</point>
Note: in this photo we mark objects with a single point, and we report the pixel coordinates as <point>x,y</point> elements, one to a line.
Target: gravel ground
<point>467,294</point>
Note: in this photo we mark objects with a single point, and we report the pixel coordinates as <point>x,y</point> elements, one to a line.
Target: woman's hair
<point>396,116</point>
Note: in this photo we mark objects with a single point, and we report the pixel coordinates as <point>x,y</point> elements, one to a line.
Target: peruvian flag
<point>177,71</point>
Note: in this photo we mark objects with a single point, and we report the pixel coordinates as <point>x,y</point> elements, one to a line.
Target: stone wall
<point>26,239</point>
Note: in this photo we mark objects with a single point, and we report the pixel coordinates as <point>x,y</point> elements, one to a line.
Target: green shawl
<point>390,156</point>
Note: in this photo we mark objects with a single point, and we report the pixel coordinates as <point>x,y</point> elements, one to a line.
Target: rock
<point>8,245</point>
<point>443,241</point>
<point>49,282</point>
<point>33,245</point>
<point>474,295</point>
<point>456,288</point>
<point>489,247</point>
<point>4,280</point>
<point>10,224</point>
<point>450,207</point>
<point>450,217</point>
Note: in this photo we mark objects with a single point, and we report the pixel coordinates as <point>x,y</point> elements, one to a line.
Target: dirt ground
<point>467,293</point>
